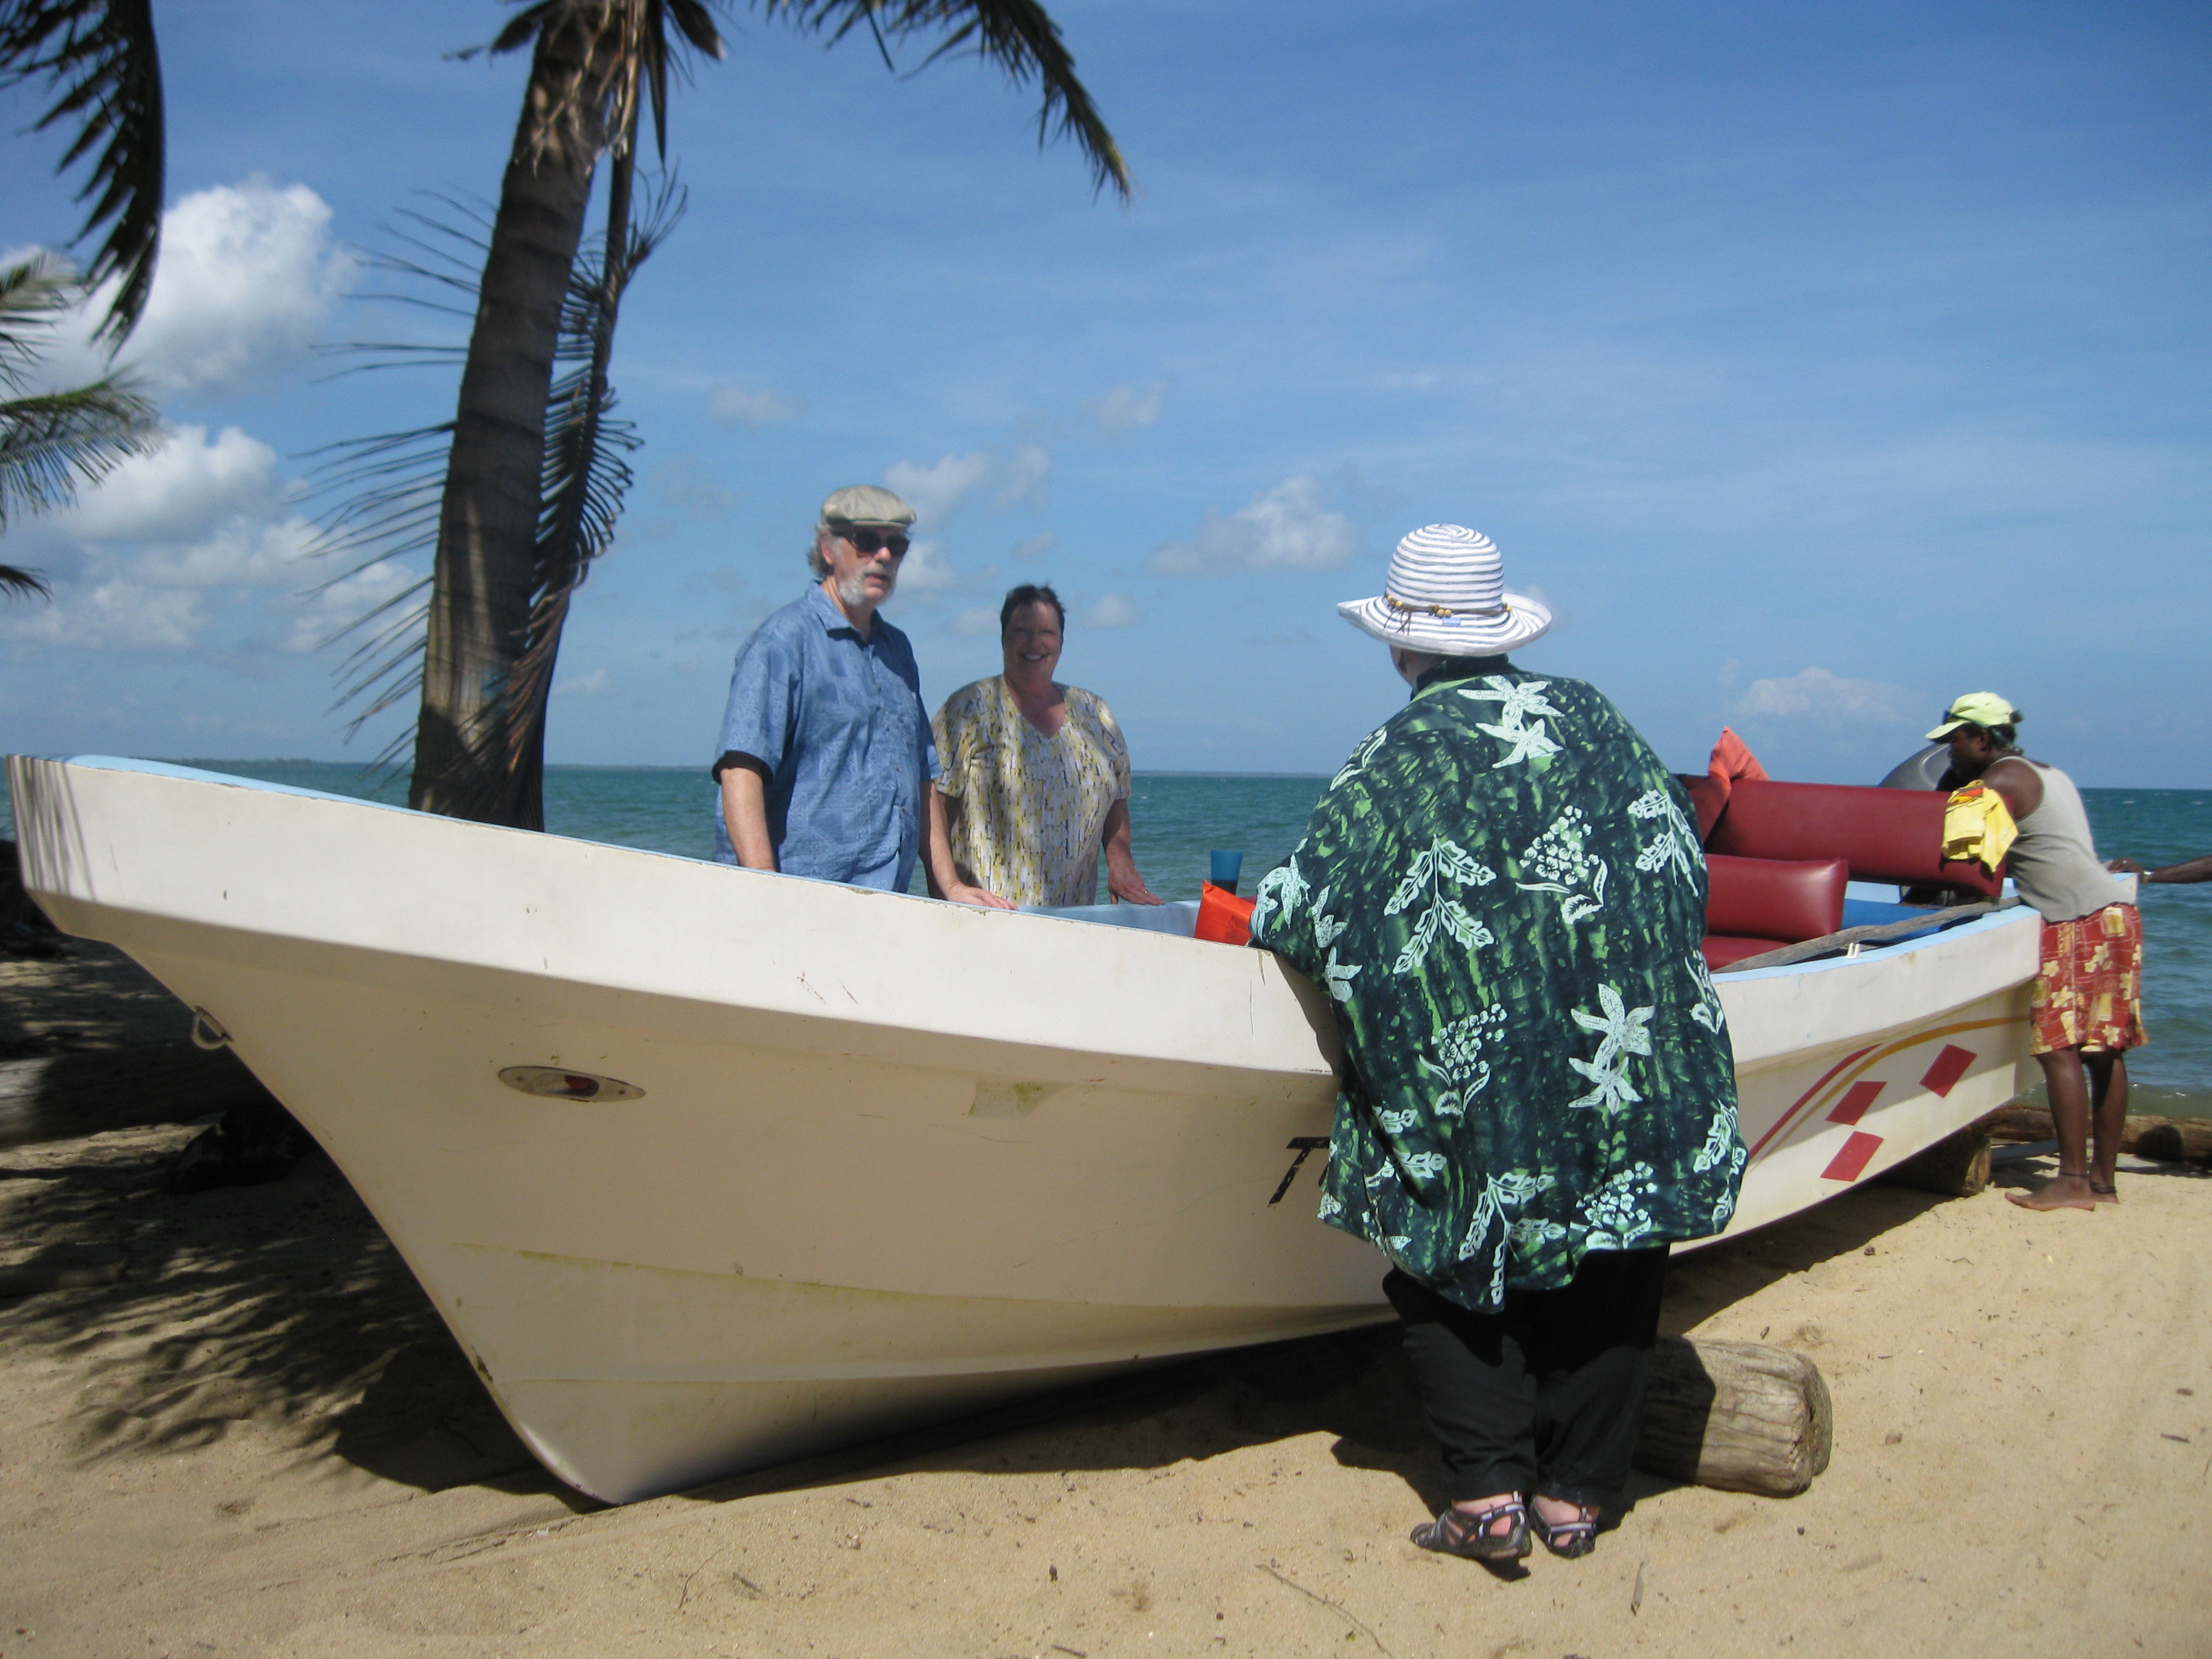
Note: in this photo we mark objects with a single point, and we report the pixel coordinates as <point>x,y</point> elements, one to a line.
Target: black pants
<point>1546,1395</point>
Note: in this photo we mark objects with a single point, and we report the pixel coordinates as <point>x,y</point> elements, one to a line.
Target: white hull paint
<point>892,1159</point>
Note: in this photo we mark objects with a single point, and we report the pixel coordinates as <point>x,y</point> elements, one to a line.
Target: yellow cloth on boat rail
<point>1977,825</point>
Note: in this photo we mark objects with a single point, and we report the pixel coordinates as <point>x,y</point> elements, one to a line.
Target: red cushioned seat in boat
<point>1782,900</point>
<point>1721,949</point>
<point>1884,835</point>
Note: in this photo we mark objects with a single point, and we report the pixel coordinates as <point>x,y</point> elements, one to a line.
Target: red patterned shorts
<point>2089,992</point>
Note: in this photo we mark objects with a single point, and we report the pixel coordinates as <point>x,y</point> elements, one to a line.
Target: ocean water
<point>1178,817</point>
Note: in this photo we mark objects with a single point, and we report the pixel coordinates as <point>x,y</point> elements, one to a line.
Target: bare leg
<point>2070,1114</point>
<point>2108,1083</point>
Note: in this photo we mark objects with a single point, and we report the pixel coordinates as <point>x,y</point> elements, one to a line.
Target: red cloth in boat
<point>1730,760</point>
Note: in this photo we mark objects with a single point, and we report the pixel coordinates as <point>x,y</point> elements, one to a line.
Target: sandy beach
<point>260,1441</point>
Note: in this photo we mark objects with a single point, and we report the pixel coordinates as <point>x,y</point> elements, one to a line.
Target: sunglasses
<point>872,542</point>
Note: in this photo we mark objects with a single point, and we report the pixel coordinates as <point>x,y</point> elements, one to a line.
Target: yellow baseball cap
<point>1975,708</point>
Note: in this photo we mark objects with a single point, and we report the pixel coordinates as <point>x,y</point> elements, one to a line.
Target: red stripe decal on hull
<point>1851,1163</point>
<point>1950,1065</point>
<point>1853,1106</point>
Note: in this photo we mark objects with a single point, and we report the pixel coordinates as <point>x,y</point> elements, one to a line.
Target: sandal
<point>1457,1532</point>
<point>1568,1538</point>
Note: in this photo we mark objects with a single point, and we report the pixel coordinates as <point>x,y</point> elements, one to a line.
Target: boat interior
<point>1790,864</point>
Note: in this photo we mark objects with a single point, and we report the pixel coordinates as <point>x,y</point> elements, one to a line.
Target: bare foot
<point>2063,1192</point>
<point>2104,1193</point>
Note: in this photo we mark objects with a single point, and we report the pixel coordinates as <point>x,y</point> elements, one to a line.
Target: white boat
<point>707,1169</point>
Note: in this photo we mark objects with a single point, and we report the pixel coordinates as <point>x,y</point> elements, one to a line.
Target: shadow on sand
<point>284,1304</point>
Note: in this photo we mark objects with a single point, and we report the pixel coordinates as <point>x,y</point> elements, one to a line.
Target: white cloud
<point>1112,611</point>
<point>1125,409</point>
<point>925,570</point>
<point>583,686</point>
<point>324,612</point>
<point>1036,546</point>
<point>1290,528</point>
<point>689,485</point>
<point>112,614</point>
<point>162,532</point>
<point>179,491</point>
<point>248,272</point>
<point>976,621</point>
<point>738,406</point>
<point>1022,480</point>
<point>1819,694</point>
<point>937,489</point>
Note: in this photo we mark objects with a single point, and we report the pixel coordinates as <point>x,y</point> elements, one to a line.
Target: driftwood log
<point>2168,1139</point>
<point>61,1097</point>
<point>1739,1416</point>
<point>1957,1166</point>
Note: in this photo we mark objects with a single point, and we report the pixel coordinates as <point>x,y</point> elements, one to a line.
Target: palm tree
<point>525,507</point>
<point>102,58</point>
<point>100,54</point>
<point>51,442</point>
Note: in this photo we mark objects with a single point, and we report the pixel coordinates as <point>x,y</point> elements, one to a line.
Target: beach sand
<point>262,1441</point>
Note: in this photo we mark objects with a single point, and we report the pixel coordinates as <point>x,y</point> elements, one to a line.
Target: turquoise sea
<point>1180,816</point>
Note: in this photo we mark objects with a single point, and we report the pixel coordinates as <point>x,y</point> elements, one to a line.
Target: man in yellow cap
<point>2086,1011</point>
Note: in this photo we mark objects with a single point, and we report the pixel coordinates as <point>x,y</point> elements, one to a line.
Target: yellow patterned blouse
<point>1025,812</point>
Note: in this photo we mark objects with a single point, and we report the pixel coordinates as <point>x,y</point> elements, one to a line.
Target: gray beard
<point>853,591</point>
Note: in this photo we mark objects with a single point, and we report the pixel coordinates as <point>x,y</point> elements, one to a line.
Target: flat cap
<point>865,504</point>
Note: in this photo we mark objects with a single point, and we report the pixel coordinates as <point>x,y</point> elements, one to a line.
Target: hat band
<point>1411,610</point>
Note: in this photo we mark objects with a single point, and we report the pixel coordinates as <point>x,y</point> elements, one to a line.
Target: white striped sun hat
<point>1446,595</point>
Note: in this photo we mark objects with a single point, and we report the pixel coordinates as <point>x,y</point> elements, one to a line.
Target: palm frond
<point>34,293</point>
<point>585,478</point>
<point>13,578</point>
<point>1018,35</point>
<point>52,443</point>
<point>102,58</point>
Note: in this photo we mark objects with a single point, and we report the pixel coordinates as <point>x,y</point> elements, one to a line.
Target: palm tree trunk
<point>486,572</point>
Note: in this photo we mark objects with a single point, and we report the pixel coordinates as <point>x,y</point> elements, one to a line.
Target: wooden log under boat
<point>2165,1139</point>
<point>1739,1416</point>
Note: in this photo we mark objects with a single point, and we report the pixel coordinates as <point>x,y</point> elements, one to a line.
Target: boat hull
<point>878,1159</point>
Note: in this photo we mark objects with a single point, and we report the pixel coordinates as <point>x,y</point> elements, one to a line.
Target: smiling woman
<point>1035,779</point>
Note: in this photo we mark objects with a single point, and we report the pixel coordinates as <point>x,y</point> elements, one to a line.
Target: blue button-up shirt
<point>839,722</point>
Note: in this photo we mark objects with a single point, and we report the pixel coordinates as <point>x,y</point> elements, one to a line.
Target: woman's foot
<point>1567,1529</point>
<point>1494,1529</point>
<point>2104,1192</point>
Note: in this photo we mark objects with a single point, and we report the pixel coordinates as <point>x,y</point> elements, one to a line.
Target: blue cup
<point>1227,866</point>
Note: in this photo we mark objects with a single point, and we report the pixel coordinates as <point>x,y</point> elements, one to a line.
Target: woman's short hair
<point>1027,594</point>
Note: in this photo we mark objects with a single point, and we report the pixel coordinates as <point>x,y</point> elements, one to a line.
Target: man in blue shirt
<point>826,758</point>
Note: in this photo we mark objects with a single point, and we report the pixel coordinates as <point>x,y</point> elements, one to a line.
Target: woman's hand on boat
<point>981,897</point>
<point>1127,887</point>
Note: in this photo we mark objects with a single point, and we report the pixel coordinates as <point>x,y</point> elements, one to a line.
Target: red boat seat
<point>1754,905</point>
<point>1884,835</point>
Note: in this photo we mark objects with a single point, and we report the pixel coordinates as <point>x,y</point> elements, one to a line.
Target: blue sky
<point>1815,365</point>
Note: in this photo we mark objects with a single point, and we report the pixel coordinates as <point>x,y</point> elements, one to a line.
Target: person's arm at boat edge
<point>1122,881</point>
<point>1123,884</point>
<point>744,809</point>
<point>2192,870</point>
<point>937,864</point>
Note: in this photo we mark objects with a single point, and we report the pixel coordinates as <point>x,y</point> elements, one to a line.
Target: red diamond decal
<point>1950,1065</point>
<point>1853,1106</point>
<point>1851,1163</point>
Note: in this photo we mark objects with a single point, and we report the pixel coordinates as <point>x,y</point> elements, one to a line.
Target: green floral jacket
<point>1503,893</point>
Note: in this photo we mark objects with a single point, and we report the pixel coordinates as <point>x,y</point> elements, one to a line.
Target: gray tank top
<point>2055,862</point>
